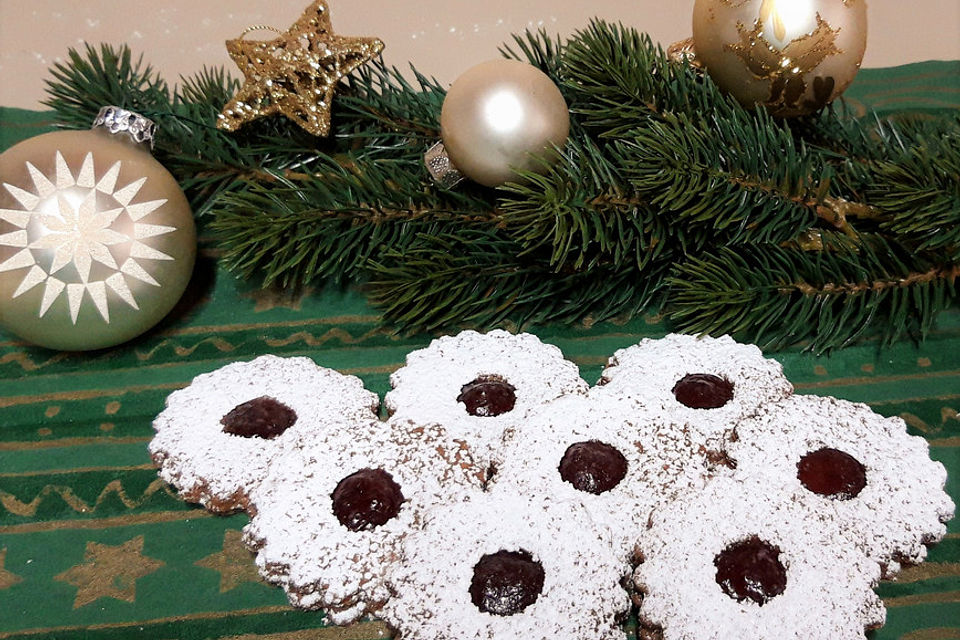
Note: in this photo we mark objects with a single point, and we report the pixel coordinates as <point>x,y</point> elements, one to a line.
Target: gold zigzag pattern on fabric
<point>224,346</point>
<point>29,509</point>
<point>311,340</point>
<point>253,326</point>
<point>91,524</point>
<point>218,343</point>
<point>86,394</point>
<point>29,364</point>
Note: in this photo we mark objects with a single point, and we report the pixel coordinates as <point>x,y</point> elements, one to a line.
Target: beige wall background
<point>441,37</point>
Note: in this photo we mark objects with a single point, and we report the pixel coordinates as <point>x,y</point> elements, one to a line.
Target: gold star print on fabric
<point>109,572</point>
<point>296,73</point>
<point>7,579</point>
<point>234,563</point>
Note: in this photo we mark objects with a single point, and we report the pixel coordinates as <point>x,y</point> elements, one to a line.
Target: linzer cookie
<point>477,385</point>
<point>706,384</point>
<point>619,459</point>
<point>216,437</point>
<point>336,503</point>
<point>502,566</point>
<point>739,560</point>
<point>839,457</point>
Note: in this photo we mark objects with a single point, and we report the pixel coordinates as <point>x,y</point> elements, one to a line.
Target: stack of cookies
<point>504,498</point>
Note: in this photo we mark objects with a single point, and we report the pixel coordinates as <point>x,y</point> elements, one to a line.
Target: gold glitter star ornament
<point>296,73</point>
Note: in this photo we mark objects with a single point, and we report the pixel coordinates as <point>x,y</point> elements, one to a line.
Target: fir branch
<point>540,50</point>
<point>474,277</point>
<point>814,228</point>
<point>715,177</point>
<point>585,213</point>
<point>920,193</point>
<point>380,102</point>
<point>776,296</point>
<point>330,225</point>
<point>96,78</point>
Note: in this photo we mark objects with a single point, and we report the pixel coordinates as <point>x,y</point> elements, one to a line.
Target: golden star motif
<point>7,579</point>
<point>296,73</point>
<point>109,572</point>
<point>234,562</point>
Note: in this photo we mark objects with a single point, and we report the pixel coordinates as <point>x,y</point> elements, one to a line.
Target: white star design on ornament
<point>65,224</point>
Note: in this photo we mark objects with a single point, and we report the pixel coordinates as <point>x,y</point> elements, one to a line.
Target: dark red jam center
<point>751,569</point>
<point>593,466</point>
<point>366,499</point>
<point>263,417</point>
<point>488,396</point>
<point>506,582</point>
<point>703,391</point>
<point>832,473</point>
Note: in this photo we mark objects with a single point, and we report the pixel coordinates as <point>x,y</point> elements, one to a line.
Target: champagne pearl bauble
<point>794,56</point>
<point>97,241</point>
<point>500,116</point>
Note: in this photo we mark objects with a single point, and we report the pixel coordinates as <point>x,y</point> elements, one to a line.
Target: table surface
<point>93,545</point>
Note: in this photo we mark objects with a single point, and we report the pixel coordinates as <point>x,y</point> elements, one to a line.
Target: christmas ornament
<point>97,241</point>
<point>296,73</point>
<point>498,117</point>
<point>794,56</point>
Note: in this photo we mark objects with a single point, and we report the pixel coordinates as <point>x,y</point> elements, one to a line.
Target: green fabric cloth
<point>94,546</point>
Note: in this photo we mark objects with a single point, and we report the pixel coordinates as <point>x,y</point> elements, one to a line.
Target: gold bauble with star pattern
<point>794,56</point>
<point>97,241</point>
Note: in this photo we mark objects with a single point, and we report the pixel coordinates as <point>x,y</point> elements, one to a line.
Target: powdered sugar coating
<point>648,371</point>
<point>661,461</point>
<point>425,391</point>
<point>218,469</point>
<point>581,597</point>
<point>903,505</point>
<point>301,544</point>
<point>828,593</point>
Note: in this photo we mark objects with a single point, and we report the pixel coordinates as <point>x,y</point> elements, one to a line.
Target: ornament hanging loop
<point>258,27</point>
<point>121,121</point>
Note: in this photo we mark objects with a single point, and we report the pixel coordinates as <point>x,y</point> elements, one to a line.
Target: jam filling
<point>262,417</point>
<point>593,466</point>
<point>366,499</point>
<point>506,582</point>
<point>488,396</point>
<point>703,391</point>
<point>832,473</point>
<point>751,569</point>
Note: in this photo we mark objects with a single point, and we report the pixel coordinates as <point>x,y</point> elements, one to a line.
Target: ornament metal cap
<point>684,51</point>
<point>441,167</point>
<point>116,120</point>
